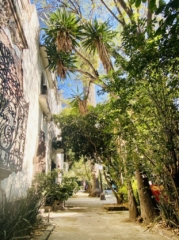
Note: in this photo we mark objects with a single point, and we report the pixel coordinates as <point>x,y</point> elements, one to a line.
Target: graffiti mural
<point>13,113</point>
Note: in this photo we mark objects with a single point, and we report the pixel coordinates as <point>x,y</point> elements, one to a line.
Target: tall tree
<point>144,83</point>
<point>92,137</point>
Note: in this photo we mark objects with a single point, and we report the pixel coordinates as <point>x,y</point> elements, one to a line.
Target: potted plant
<point>57,194</point>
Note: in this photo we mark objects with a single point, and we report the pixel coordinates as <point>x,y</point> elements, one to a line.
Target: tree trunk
<point>147,203</point>
<point>133,211</point>
<point>118,198</point>
<point>89,91</point>
<point>172,189</point>
<point>95,191</point>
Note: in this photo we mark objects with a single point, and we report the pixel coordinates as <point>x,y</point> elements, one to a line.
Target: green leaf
<point>174,4</point>
<point>161,3</point>
<point>161,7</point>
<point>159,31</point>
<point>152,4</point>
<point>132,2</point>
<point>170,19</point>
<point>137,3</point>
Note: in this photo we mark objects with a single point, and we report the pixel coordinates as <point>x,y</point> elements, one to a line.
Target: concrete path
<point>85,219</point>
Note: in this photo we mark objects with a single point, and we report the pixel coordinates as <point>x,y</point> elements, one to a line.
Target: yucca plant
<point>59,61</point>
<point>79,100</point>
<point>18,217</point>
<point>63,29</point>
<point>97,37</point>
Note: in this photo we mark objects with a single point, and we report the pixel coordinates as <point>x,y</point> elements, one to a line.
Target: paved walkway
<point>85,219</point>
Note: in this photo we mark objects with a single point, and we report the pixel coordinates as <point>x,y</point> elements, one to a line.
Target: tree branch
<point>150,160</point>
<point>78,6</point>
<point>112,165</point>
<point>88,92</point>
<point>110,185</point>
<point>129,11</point>
<point>149,15</point>
<point>92,10</point>
<point>95,72</point>
<point>62,4</point>
<point>112,13</point>
<point>120,13</point>
<point>93,78</point>
<point>74,9</point>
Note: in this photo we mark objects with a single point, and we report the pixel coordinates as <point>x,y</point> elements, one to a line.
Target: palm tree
<point>63,29</point>
<point>60,61</point>
<point>97,37</point>
<point>62,37</point>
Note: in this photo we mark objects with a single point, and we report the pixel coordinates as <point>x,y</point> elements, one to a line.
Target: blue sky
<point>70,87</point>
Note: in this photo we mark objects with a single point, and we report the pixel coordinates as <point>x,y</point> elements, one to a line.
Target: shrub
<point>17,217</point>
<point>123,192</point>
<point>61,192</point>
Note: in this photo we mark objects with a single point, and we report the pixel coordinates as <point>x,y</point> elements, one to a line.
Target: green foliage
<point>81,170</point>
<point>168,214</point>
<point>60,38</point>
<point>89,135</point>
<point>55,191</point>
<point>135,191</point>
<point>62,26</point>
<point>60,62</point>
<point>95,34</point>
<point>18,216</point>
<point>152,3</point>
<point>62,191</point>
<point>64,33</point>
<point>139,127</point>
<point>93,137</point>
<point>147,86</point>
<point>123,192</point>
<point>137,3</point>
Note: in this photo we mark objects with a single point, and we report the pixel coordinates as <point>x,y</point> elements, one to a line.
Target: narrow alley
<point>86,219</point>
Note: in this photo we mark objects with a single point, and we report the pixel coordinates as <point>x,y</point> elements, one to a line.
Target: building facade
<point>28,99</point>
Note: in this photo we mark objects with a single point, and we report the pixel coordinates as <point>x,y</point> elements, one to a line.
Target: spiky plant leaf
<point>97,38</point>
<point>59,61</point>
<point>63,29</point>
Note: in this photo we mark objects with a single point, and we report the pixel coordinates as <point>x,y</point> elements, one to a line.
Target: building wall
<point>30,68</point>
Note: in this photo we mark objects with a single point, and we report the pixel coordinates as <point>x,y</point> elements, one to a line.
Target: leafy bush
<point>18,217</point>
<point>55,191</point>
<point>123,192</point>
<point>168,214</point>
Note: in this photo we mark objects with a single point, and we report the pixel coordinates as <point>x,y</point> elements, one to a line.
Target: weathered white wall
<point>32,65</point>
<point>60,165</point>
